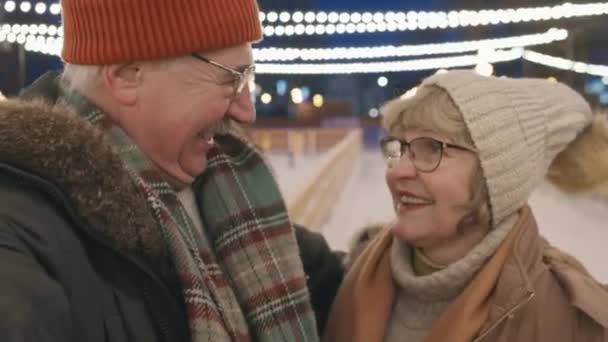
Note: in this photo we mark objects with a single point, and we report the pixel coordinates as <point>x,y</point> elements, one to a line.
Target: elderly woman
<point>463,260</point>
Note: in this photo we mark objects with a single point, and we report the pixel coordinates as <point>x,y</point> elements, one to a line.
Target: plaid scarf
<point>252,286</point>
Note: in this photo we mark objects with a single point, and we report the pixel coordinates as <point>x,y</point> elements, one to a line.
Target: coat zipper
<point>164,325</point>
<point>505,316</point>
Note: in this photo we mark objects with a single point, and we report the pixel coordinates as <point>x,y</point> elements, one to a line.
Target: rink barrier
<point>312,202</point>
<point>298,141</point>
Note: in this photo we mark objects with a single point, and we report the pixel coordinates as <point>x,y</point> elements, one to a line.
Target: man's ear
<point>122,80</point>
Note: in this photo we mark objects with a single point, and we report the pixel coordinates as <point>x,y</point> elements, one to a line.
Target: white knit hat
<point>518,126</point>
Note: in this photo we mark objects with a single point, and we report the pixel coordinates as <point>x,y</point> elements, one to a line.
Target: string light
<point>40,8</point>
<point>292,54</point>
<point>374,113</point>
<point>10,6</point>
<point>368,22</point>
<point>55,9</point>
<point>33,42</point>
<point>266,98</point>
<point>296,96</point>
<point>318,100</point>
<point>25,6</point>
<point>45,48</point>
<point>392,66</point>
<point>382,81</point>
<point>565,64</point>
<point>52,46</point>
<point>41,38</point>
<point>41,29</point>
<point>411,21</point>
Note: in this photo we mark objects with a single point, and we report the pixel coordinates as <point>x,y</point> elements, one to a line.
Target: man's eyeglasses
<point>424,152</point>
<point>240,79</point>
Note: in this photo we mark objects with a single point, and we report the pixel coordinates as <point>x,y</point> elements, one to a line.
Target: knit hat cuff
<point>99,32</point>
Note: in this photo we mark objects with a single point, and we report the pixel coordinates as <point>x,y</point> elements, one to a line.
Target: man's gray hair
<point>81,77</point>
<point>85,77</point>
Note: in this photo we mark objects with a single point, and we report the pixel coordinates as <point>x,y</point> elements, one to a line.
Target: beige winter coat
<point>539,294</point>
<point>544,294</point>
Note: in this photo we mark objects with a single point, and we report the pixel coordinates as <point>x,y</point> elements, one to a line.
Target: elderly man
<point>129,209</point>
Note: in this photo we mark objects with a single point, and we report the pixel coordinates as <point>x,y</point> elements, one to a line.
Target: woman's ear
<point>122,81</point>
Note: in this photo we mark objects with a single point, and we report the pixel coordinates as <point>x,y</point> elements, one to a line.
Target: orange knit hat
<point>117,31</point>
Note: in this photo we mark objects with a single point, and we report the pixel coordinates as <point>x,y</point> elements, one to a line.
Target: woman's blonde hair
<point>432,108</point>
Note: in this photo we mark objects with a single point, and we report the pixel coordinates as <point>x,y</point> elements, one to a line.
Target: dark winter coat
<point>74,270</point>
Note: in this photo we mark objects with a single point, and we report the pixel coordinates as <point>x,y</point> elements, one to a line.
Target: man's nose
<point>242,108</point>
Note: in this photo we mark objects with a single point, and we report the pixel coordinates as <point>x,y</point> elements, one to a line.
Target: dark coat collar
<point>40,136</point>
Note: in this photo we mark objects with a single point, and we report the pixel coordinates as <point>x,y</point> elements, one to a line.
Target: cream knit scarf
<point>420,300</point>
<point>363,308</point>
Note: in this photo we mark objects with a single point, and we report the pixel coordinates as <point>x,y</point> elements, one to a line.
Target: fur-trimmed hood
<point>51,141</point>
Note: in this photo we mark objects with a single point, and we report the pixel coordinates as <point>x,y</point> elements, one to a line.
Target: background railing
<point>311,198</point>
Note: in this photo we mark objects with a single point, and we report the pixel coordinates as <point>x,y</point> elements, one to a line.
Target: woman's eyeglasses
<point>424,152</point>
